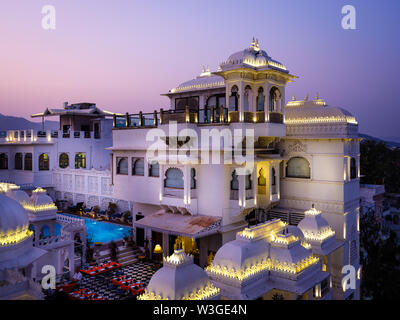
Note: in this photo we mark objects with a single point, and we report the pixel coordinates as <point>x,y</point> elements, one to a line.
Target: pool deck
<point>97,219</point>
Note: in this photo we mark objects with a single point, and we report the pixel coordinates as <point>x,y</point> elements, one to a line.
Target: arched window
<point>122,165</point>
<point>57,229</point>
<point>248,97</point>
<point>44,232</point>
<point>80,160</point>
<point>353,168</point>
<point>234,181</point>
<point>249,184</point>
<point>63,161</point>
<point>3,161</point>
<point>18,161</point>
<point>273,177</point>
<point>233,99</point>
<point>28,162</point>
<point>138,167</point>
<point>154,169</point>
<point>174,178</point>
<point>274,98</point>
<point>298,167</point>
<point>260,99</point>
<point>193,178</point>
<point>261,181</point>
<point>32,228</point>
<point>44,162</point>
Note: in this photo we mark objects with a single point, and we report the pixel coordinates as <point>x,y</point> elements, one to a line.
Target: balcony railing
<point>207,115</point>
<point>28,136</point>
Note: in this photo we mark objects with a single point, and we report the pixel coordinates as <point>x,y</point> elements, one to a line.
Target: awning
<point>181,225</point>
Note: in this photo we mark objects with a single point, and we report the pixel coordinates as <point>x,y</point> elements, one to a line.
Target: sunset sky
<point>123,54</point>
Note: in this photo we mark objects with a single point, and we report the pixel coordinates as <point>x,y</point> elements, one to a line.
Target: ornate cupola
<point>40,204</point>
<point>317,231</point>
<point>180,279</point>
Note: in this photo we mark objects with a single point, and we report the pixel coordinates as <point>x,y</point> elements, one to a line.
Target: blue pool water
<point>99,231</point>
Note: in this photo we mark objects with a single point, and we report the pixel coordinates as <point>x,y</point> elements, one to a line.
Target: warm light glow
<point>312,212</point>
<point>5,187</point>
<point>39,208</point>
<point>283,239</point>
<point>346,119</point>
<point>15,236</point>
<point>306,245</point>
<point>261,266</point>
<point>158,249</point>
<point>199,86</point>
<point>207,292</point>
<point>323,234</point>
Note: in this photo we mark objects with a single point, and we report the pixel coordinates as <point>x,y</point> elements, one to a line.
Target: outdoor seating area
<point>122,283</point>
<point>85,294</point>
<point>129,284</point>
<point>102,268</point>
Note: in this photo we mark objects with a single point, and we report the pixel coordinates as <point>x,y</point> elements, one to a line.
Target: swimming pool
<point>99,231</point>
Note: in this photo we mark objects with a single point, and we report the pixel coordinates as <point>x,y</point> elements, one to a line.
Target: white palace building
<point>280,225</point>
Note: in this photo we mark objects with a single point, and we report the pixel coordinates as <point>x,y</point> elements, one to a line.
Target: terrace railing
<point>207,115</point>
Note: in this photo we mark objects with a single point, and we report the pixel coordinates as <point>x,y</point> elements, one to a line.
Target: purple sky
<point>124,54</point>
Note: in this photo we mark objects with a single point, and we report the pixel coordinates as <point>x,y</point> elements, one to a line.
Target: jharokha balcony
<point>206,116</point>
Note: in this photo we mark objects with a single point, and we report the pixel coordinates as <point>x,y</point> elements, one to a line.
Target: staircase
<point>125,256</point>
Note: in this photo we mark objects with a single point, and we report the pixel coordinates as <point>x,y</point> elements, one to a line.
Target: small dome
<point>254,57</point>
<point>240,254</point>
<point>315,227</point>
<point>316,111</point>
<point>40,198</point>
<point>287,249</point>
<point>180,279</point>
<point>200,83</point>
<point>20,196</point>
<point>12,215</point>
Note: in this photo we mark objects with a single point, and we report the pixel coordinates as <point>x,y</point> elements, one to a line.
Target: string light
<point>15,236</point>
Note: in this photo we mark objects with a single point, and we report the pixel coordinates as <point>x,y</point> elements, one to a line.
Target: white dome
<point>40,198</point>
<point>180,278</point>
<point>289,253</point>
<point>252,57</point>
<point>314,226</point>
<point>20,196</point>
<point>12,215</point>
<point>240,254</point>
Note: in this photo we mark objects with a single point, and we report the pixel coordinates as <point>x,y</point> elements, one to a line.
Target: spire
<point>306,98</point>
<point>316,96</point>
<point>293,98</point>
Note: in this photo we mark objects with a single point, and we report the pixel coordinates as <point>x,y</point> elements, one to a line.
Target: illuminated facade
<point>305,152</point>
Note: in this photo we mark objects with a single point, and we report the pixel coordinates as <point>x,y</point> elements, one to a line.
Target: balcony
<point>208,115</point>
<point>40,136</point>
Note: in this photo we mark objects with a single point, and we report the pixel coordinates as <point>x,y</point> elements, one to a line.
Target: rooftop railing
<point>28,136</point>
<point>207,115</point>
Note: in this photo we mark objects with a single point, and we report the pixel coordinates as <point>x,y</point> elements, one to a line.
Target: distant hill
<point>19,123</point>
<point>388,143</point>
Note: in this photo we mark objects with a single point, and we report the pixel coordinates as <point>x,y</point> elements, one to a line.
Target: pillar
<point>241,101</point>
